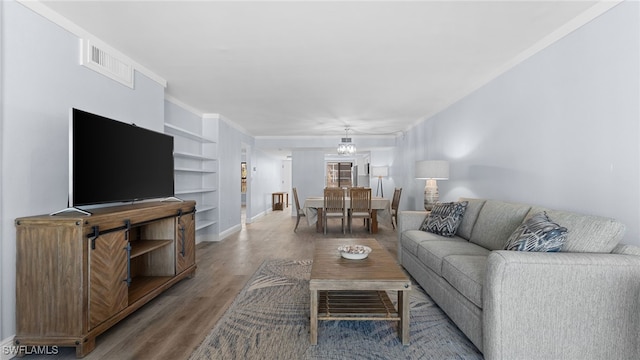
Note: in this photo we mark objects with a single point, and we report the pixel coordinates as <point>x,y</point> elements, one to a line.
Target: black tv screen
<point>111,161</point>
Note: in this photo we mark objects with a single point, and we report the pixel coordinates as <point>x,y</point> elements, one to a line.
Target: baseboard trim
<point>6,351</point>
<point>229,232</point>
<point>259,216</point>
<point>206,238</point>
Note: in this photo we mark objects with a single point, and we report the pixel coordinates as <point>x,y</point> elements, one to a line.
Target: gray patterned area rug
<point>269,319</point>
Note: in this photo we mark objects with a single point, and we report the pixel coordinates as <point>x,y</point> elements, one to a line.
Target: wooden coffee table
<point>344,289</point>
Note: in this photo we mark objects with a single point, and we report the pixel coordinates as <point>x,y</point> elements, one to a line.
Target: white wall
<point>307,173</point>
<point>266,178</point>
<point>230,143</point>
<point>286,179</point>
<point>308,159</point>
<point>561,129</point>
<point>260,183</point>
<point>41,81</point>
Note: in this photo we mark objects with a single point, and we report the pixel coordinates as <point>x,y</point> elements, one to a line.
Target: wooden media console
<point>77,275</point>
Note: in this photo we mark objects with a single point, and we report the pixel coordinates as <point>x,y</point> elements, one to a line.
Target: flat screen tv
<point>112,161</point>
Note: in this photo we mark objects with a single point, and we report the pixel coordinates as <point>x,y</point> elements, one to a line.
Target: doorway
<point>245,183</point>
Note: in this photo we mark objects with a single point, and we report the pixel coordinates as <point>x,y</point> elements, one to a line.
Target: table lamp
<point>431,170</point>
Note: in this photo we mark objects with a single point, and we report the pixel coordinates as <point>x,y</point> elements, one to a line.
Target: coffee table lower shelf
<point>369,305</point>
<point>356,305</point>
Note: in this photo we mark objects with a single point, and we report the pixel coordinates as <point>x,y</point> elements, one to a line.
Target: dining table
<point>313,206</point>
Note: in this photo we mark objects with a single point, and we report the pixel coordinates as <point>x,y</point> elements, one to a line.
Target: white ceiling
<point>295,68</point>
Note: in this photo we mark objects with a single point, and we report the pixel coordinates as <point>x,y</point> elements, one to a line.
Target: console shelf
<point>142,285</point>
<point>77,275</point>
<point>141,247</point>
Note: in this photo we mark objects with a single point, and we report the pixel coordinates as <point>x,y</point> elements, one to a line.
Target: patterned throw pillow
<point>538,233</point>
<point>444,218</point>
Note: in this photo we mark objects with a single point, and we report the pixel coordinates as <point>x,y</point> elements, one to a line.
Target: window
<point>339,174</point>
<point>243,177</point>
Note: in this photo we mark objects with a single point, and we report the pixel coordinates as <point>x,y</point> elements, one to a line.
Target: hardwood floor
<point>175,323</point>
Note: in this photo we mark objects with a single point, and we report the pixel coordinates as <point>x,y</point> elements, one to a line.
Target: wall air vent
<point>107,61</point>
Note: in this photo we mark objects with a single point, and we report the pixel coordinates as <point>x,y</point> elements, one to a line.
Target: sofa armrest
<point>561,306</point>
<point>408,220</point>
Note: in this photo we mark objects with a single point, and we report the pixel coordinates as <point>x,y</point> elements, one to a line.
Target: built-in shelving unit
<point>196,167</point>
<point>191,156</point>
<point>188,134</point>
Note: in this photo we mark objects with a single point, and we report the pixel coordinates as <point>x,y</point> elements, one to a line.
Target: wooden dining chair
<point>299,212</point>
<point>360,206</point>
<point>394,206</point>
<point>333,206</point>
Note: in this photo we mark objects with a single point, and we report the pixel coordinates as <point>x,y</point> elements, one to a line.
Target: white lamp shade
<point>432,169</point>
<point>380,171</point>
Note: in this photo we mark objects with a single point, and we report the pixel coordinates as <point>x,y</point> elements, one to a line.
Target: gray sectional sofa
<point>580,303</point>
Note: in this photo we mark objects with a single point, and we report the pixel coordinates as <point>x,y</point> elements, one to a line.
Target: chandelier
<point>346,147</point>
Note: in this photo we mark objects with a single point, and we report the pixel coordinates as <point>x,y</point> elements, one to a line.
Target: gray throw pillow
<point>444,218</point>
<point>537,233</point>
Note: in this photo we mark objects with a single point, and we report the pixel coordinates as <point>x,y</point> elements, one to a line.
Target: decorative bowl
<point>354,252</point>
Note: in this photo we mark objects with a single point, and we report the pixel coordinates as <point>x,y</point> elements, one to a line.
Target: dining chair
<point>299,212</point>
<point>394,206</point>
<point>333,206</point>
<point>360,206</point>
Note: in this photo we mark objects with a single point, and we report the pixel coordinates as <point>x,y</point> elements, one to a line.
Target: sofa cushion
<point>432,253</point>
<point>470,217</point>
<point>587,233</point>
<point>444,218</point>
<point>537,233</point>
<point>625,249</point>
<point>411,239</point>
<point>466,274</point>
<point>496,222</point>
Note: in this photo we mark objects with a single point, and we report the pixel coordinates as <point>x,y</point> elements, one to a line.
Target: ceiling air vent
<point>107,61</point>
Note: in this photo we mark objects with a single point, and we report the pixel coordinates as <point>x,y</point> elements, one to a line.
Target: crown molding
<point>234,125</point>
<point>183,105</point>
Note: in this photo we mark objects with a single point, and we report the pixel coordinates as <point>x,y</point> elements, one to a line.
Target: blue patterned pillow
<point>537,233</point>
<point>444,218</point>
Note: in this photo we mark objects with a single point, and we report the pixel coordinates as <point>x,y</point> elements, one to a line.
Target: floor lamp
<point>380,171</point>
<point>432,170</point>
